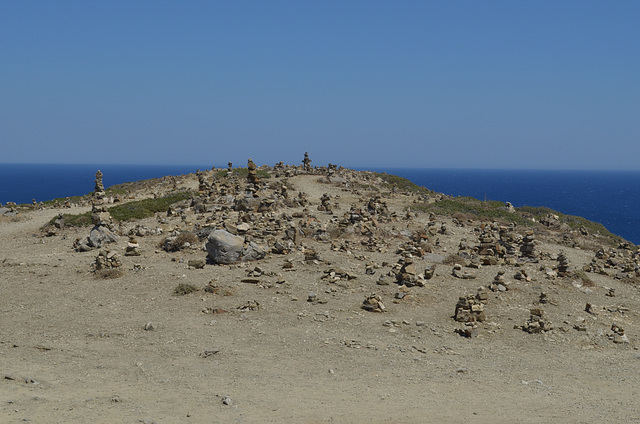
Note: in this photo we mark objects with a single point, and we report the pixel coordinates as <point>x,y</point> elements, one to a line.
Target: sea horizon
<point>610,197</point>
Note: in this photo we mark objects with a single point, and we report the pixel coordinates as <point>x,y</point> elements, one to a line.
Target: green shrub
<point>401,183</point>
<point>127,211</point>
<point>145,208</point>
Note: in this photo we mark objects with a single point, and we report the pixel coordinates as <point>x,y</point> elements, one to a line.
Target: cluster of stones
<point>373,303</point>
<point>237,221</point>
<point>622,263</point>
<point>470,311</point>
<point>325,204</point>
<point>107,259</point>
<point>499,283</point>
<point>510,241</point>
<point>133,247</point>
<point>459,272</point>
<point>617,334</point>
<point>537,322</point>
<point>407,274</point>
<point>489,244</point>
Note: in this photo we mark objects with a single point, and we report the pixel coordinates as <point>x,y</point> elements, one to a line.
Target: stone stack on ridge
<point>101,233</point>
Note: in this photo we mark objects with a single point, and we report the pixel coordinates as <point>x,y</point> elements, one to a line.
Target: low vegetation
<point>138,209</point>
<point>145,208</point>
<point>526,216</point>
<point>401,183</point>
<point>184,288</point>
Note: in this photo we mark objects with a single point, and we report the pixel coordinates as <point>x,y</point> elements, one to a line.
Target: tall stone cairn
<point>528,247</point>
<point>99,213</point>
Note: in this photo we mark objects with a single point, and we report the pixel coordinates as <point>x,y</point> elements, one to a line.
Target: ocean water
<point>20,183</point>
<point>609,197</point>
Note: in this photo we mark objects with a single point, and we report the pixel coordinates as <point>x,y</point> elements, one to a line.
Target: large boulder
<point>225,248</point>
<point>101,235</point>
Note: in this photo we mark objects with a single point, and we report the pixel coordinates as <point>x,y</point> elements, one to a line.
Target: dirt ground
<point>76,348</point>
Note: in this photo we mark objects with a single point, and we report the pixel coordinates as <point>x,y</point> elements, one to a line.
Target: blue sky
<point>439,84</point>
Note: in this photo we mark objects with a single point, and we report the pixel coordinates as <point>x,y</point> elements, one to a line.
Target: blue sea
<point>609,197</point>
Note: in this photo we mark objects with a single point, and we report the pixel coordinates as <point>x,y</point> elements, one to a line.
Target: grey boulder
<point>225,248</point>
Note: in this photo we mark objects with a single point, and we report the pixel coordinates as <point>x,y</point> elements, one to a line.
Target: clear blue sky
<point>476,84</point>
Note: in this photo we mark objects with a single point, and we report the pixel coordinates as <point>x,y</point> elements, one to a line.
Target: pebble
<point>227,400</point>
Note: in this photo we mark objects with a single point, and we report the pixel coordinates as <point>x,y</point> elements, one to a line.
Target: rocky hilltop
<point>312,294</point>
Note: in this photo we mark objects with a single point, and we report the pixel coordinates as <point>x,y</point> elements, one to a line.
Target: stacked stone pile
<point>408,275</point>
<point>107,259</point>
<point>470,308</point>
<point>564,270</point>
<point>101,233</point>
<point>528,247</point>
<point>537,322</point>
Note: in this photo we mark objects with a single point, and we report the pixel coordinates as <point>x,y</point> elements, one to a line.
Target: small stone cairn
<point>325,203</point>
<point>107,259</point>
<point>470,308</point>
<point>537,322</point>
<point>133,247</point>
<point>528,247</point>
<point>408,275</point>
<point>564,270</point>
<point>499,283</point>
<point>306,162</point>
<point>373,303</point>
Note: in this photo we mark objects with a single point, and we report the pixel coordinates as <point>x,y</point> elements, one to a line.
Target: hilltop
<point>362,297</point>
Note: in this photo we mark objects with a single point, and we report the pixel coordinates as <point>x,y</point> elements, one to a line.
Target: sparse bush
<point>453,259</point>
<point>179,242</point>
<point>108,273</point>
<point>184,288</point>
<point>582,276</point>
<point>401,183</point>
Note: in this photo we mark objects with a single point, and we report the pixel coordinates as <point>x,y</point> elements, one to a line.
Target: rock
<point>373,303</point>
<point>225,248</point>
<point>196,263</point>
<point>101,235</point>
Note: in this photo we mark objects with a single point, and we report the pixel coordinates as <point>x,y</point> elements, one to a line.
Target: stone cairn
<point>373,303</point>
<point>203,186</point>
<point>325,203</point>
<point>470,311</point>
<point>509,241</point>
<point>528,247</point>
<point>408,274</point>
<point>306,162</point>
<point>133,247</point>
<point>537,322</point>
<point>101,232</point>
<point>107,259</point>
<point>564,270</point>
<point>470,308</point>
<point>499,283</point>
